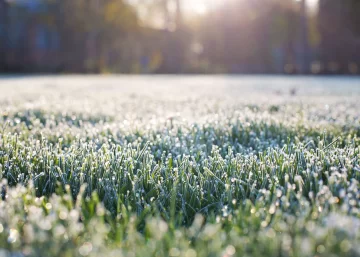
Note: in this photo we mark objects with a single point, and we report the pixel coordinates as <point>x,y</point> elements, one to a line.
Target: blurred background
<point>180,36</point>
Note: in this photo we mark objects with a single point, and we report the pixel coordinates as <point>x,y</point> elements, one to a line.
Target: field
<point>179,166</point>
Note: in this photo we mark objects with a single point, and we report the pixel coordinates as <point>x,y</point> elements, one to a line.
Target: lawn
<point>179,166</point>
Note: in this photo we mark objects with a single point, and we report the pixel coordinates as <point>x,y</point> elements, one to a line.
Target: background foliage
<point>161,36</point>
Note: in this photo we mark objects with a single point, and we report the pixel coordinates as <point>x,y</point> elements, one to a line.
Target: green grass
<point>125,172</point>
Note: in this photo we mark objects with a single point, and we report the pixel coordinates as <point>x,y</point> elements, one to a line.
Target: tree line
<point>157,36</point>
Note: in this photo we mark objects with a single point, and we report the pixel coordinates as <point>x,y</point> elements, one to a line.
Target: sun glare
<point>200,6</point>
<point>203,6</point>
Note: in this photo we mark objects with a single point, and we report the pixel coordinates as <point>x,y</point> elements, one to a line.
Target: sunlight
<point>201,6</point>
<point>310,3</point>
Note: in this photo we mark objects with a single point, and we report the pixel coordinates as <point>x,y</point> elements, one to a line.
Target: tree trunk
<point>303,64</point>
<point>178,18</point>
<point>4,36</point>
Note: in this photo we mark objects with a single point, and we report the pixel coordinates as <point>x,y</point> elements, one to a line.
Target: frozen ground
<point>179,166</point>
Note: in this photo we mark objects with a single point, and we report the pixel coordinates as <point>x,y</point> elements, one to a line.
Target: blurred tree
<point>304,63</point>
<point>3,33</point>
<point>253,41</point>
<point>340,34</point>
<point>91,29</point>
<point>177,39</point>
<point>352,17</point>
<point>166,16</point>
